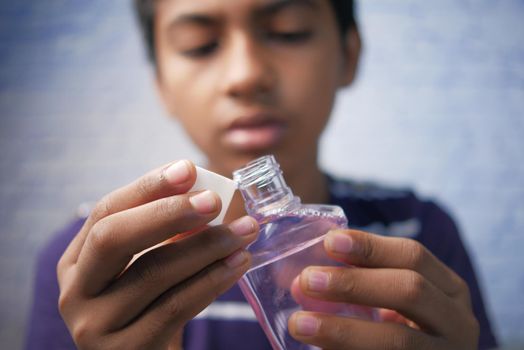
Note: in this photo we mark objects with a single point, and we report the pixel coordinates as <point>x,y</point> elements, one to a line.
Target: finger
<point>169,180</point>
<point>114,240</point>
<point>369,250</point>
<point>335,332</point>
<point>180,304</point>
<point>164,267</point>
<point>402,290</point>
<point>387,315</point>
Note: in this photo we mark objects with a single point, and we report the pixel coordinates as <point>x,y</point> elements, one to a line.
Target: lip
<point>256,132</point>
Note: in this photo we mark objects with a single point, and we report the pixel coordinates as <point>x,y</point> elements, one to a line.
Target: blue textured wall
<point>439,104</point>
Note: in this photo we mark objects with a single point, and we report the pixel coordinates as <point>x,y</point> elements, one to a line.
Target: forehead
<point>173,8</point>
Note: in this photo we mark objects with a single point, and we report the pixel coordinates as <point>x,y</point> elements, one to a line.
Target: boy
<point>247,78</point>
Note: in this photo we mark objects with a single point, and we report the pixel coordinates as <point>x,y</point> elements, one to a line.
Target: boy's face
<point>252,77</point>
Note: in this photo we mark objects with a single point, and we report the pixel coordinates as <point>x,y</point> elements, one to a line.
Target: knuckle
<point>171,206</point>
<point>334,333</point>
<point>82,334</point>
<point>402,341</point>
<point>150,271</point>
<point>333,330</point>
<point>368,249</point>
<point>61,267</point>
<point>174,308</point>
<point>346,284</point>
<point>145,184</point>
<point>102,236</point>
<point>111,344</point>
<point>475,330</point>
<point>474,326</point>
<point>218,241</point>
<point>398,341</point>
<point>64,300</point>
<point>165,207</point>
<point>415,288</point>
<point>462,286</point>
<point>83,328</point>
<point>415,253</point>
<point>102,209</point>
<point>213,280</point>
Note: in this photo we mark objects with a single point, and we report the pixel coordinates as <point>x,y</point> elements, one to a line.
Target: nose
<point>248,73</point>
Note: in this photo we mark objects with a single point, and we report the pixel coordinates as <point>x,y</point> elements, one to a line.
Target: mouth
<point>255,133</point>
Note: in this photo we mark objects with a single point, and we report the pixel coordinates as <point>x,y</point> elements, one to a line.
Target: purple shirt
<point>229,323</point>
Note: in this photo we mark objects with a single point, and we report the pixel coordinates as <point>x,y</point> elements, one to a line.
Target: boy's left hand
<point>424,304</point>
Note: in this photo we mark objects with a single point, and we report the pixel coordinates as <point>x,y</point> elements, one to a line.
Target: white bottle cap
<point>224,187</point>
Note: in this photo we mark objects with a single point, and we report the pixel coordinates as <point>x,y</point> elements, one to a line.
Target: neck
<point>306,182</point>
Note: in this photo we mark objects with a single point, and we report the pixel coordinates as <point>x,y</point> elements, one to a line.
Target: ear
<point>351,46</point>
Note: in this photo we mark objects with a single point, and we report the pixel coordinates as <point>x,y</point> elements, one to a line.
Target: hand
<point>424,304</point>
<point>110,301</point>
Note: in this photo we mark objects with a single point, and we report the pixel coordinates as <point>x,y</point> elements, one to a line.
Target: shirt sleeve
<point>440,235</point>
<point>46,329</point>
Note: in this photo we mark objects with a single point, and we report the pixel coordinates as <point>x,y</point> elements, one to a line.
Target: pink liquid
<point>291,243</point>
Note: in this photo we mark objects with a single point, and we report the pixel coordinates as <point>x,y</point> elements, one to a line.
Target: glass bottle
<point>291,238</point>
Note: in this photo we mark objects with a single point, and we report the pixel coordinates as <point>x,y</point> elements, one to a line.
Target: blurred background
<point>438,105</point>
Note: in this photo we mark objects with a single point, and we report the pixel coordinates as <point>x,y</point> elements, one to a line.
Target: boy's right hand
<point>108,303</point>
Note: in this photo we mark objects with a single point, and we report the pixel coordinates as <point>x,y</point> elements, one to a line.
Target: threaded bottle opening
<point>263,187</point>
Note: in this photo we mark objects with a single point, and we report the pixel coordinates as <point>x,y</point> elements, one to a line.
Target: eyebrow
<point>192,18</point>
<point>278,5</point>
<point>265,10</point>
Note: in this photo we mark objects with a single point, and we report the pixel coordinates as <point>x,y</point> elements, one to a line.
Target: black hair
<point>344,12</point>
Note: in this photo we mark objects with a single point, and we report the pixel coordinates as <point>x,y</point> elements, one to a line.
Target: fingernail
<point>236,259</point>
<point>340,243</point>
<point>307,325</point>
<point>243,226</point>
<point>205,202</point>
<point>317,281</point>
<point>178,172</point>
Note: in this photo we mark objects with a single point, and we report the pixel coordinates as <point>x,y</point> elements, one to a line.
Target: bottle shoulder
<point>286,232</point>
<point>306,213</point>
<point>322,211</point>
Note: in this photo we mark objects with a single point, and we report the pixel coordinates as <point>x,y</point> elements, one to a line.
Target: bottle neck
<point>263,188</point>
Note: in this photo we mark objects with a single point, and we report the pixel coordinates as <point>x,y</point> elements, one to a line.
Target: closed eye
<point>201,51</point>
<point>290,37</point>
